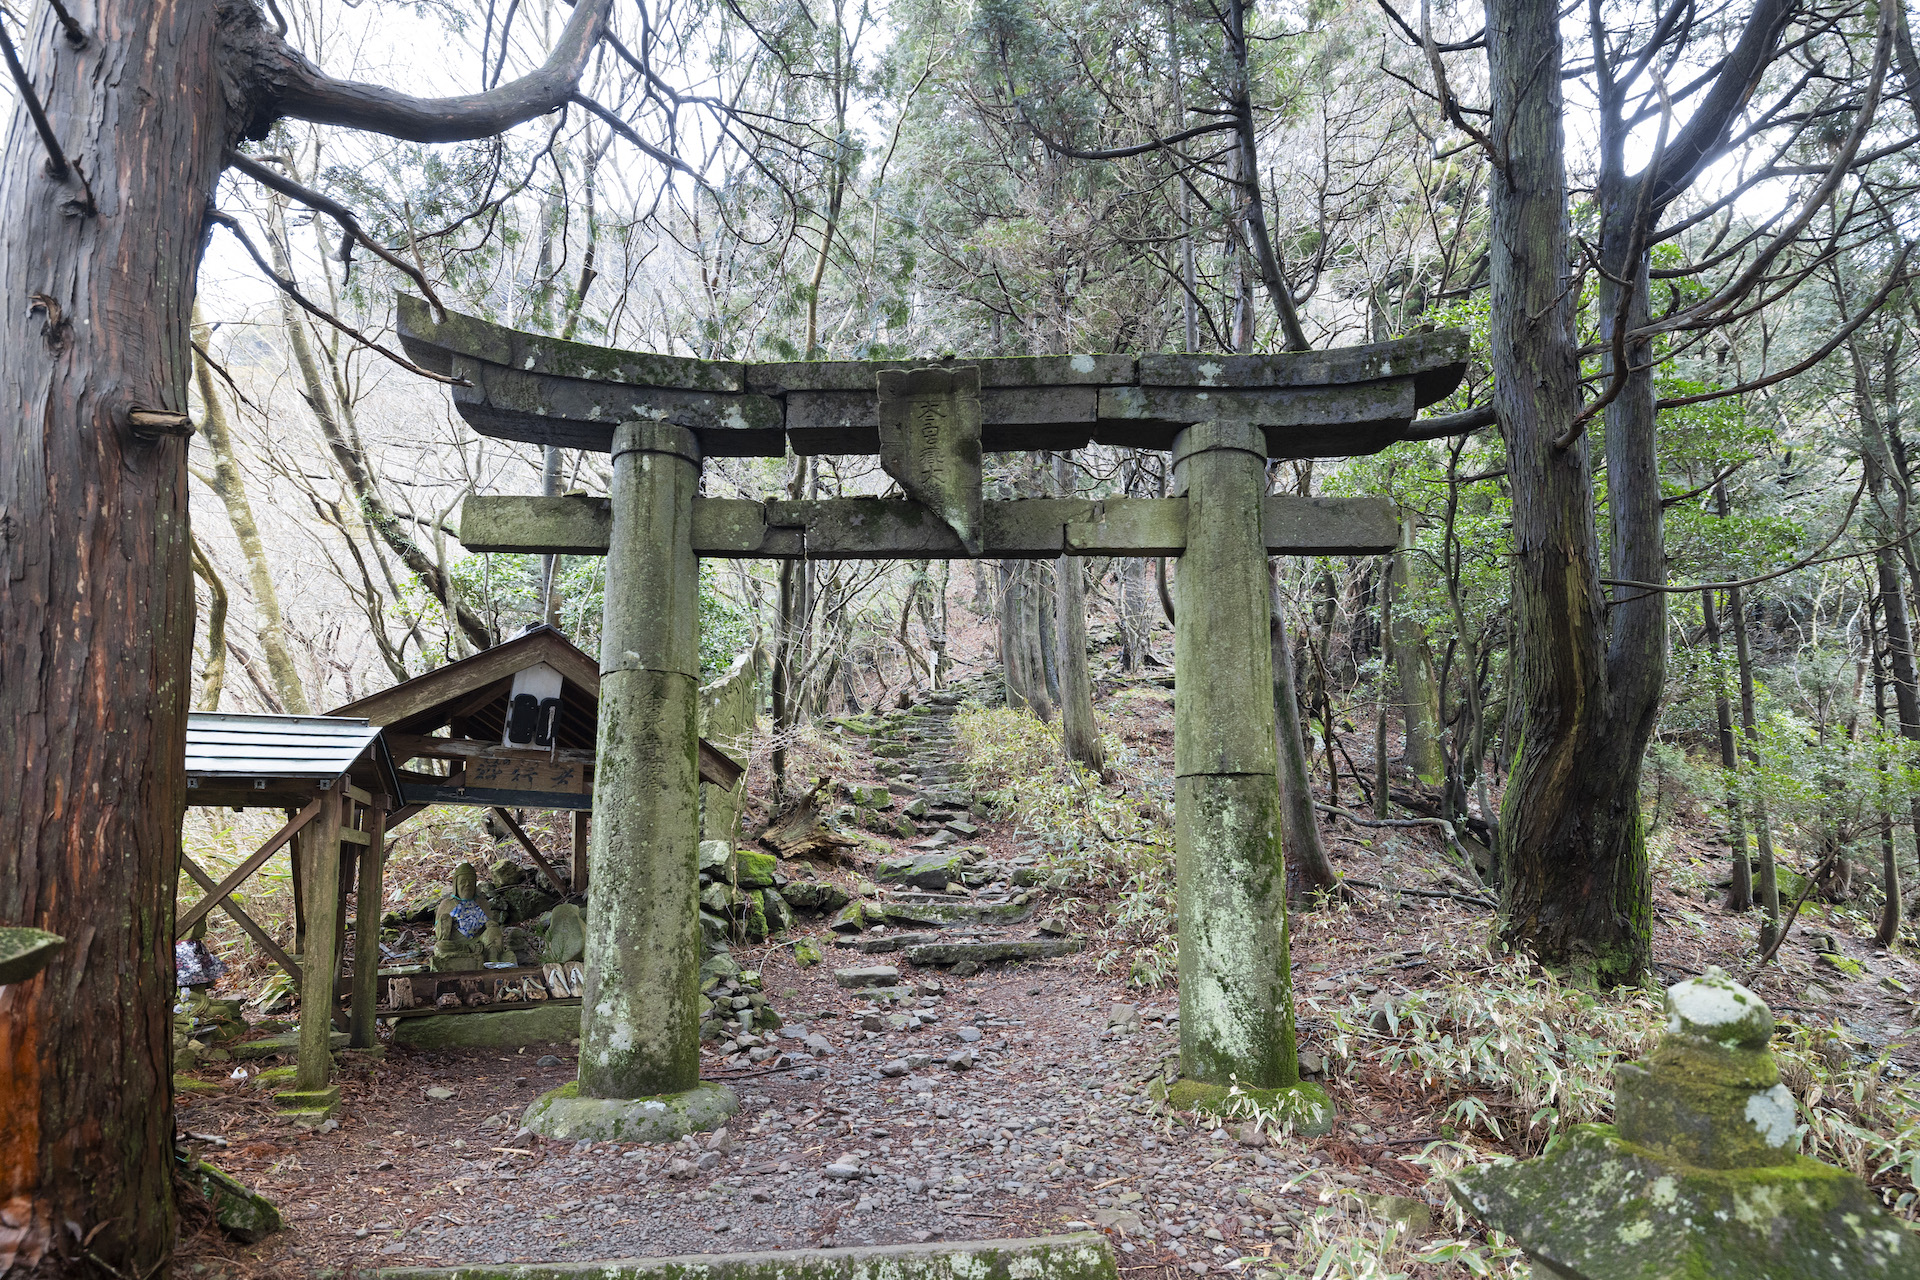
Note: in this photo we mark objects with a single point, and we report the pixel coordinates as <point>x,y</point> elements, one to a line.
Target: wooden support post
<point>640,1022</point>
<point>299,854</point>
<point>1236,998</point>
<point>369,898</point>
<point>582,833</point>
<point>321,855</point>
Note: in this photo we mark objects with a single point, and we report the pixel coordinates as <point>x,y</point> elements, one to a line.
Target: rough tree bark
<point>1309,871</point>
<point>97,263</point>
<point>1413,666</point>
<point>1587,680</point>
<point>1079,735</point>
<point>213,672</point>
<point>1740,873</point>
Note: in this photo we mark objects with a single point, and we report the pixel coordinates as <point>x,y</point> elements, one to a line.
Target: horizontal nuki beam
<point>1339,403</point>
<point>901,529</point>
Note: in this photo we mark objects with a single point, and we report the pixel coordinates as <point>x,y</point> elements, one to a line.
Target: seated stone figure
<point>566,935</point>
<point>465,933</point>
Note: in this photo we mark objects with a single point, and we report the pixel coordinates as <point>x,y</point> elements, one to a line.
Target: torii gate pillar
<point>1236,995</point>
<point>639,1076</point>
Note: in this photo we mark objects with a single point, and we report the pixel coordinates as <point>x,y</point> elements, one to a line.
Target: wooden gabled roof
<point>469,697</point>
<point>473,691</point>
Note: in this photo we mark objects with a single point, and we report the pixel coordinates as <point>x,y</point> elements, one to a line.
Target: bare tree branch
<point>307,93</point>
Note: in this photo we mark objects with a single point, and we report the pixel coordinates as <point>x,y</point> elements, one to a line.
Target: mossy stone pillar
<point>639,1075</point>
<point>640,1021</point>
<point>1236,998</point>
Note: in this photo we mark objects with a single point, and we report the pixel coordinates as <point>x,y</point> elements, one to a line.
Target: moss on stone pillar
<point>640,1021</point>
<point>1236,998</point>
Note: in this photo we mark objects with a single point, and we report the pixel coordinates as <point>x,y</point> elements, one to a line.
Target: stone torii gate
<point>1222,417</point>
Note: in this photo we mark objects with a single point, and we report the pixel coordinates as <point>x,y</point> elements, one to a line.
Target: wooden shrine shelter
<point>1222,417</point>
<point>336,782</point>
<point>511,727</point>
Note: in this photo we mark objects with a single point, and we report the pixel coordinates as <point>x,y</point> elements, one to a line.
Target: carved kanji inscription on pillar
<point>930,442</point>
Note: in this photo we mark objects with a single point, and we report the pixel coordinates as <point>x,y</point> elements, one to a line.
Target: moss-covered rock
<point>544,1023</point>
<point>754,905</point>
<point>779,914</point>
<point>814,895</point>
<point>566,1116</point>
<point>1699,1180</point>
<point>1602,1208</point>
<point>806,953</point>
<point>1717,1010</point>
<point>754,870</point>
<point>927,871</point>
<point>244,1214</point>
<point>1706,1105</point>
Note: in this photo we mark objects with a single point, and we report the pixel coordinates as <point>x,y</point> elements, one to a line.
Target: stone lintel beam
<point>1084,1256</point>
<point>1334,403</point>
<point>897,529</point>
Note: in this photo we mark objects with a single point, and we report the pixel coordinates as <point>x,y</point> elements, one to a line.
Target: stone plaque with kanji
<point>930,442</point>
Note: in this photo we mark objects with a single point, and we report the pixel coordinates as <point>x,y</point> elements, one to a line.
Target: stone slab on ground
<point>285,1042</point>
<point>987,952</point>
<point>877,975</point>
<point>881,945</point>
<point>941,914</point>
<point>1083,1256</point>
<point>934,871</point>
<point>549,1023</point>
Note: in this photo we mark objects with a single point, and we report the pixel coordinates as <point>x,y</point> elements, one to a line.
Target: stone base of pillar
<point>1305,1106</point>
<point>565,1116</point>
<point>309,1107</point>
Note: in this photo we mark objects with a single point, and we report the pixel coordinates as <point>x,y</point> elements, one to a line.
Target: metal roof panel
<point>274,746</point>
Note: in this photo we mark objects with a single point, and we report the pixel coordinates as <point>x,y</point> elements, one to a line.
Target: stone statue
<point>465,933</point>
<point>566,935</point>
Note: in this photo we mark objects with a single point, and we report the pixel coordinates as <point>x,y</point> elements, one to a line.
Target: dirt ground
<point>1050,1130</point>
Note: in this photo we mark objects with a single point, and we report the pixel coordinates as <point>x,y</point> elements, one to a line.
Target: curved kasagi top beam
<point>1343,402</point>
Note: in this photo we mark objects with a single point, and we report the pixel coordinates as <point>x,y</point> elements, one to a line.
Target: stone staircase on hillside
<point>945,899</point>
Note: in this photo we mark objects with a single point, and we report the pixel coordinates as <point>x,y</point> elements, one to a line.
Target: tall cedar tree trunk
<point>1413,665</point>
<point>1572,858</point>
<point>1889,524</point>
<point>213,673</point>
<point>230,486</point>
<point>1588,677</point>
<point>1078,732</point>
<point>1309,871</point>
<point>96,607</point>
<point>1740,870</point>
